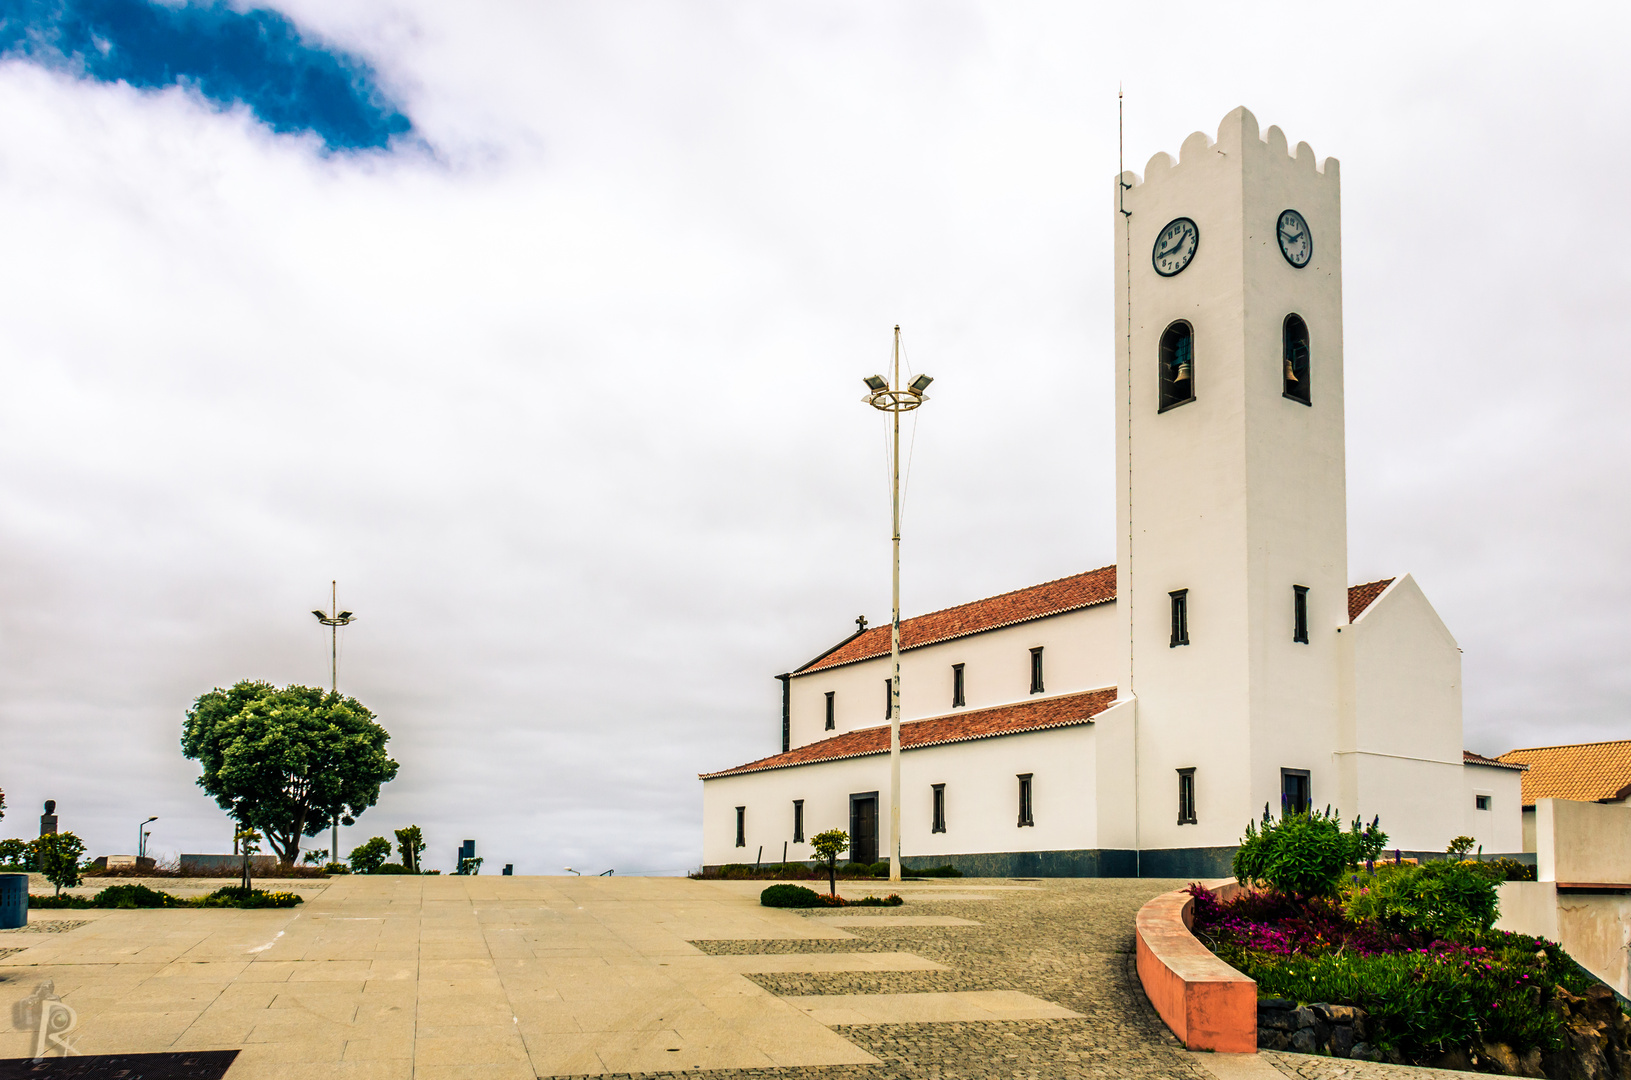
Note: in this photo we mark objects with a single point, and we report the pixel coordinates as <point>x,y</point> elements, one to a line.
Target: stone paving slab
<point>965,1005</point>
<point>852,921</point>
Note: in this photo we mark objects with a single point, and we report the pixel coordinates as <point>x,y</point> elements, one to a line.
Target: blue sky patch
<point>255,58</point>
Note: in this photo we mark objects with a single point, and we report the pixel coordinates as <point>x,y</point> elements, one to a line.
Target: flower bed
<point>1403,993</point>
<point>140,896</point>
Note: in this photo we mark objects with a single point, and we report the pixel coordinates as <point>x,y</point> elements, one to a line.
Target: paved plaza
<point>517,977</point>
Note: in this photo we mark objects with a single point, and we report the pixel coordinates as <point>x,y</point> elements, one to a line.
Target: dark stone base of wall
<point>1094,862</point>
<point>1193,863</point>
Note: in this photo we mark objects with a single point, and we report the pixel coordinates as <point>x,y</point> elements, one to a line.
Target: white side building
<point>1131,720</point>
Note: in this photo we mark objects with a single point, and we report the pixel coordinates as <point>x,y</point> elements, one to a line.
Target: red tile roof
<point>1470,758</point>
<point>1585,772</point>
<point>1361,597</point>
<point>1023,605</point>
<point>1037,715</point>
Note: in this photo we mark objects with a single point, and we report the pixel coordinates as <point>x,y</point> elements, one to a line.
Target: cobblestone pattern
<point>49,926</point>
<point>1070,942</point>
<point>1314,1067</point>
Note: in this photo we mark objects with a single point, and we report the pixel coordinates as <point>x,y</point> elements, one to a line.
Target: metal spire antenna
<point>334,622</point>
<point>895,399</point>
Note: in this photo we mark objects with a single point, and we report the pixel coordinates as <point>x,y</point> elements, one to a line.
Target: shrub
<point>1460,846</point>
<point>1301,855</point>
<point>1446,899</point>
<point>369,857</point>
<point>239,897</point>
<point>828,846</point>
<point>892,900</point>
<point>132,896</point>
<point>1506,869</point>
<point>939,871</point>
<point>790,896</point>
<point>392,868</point>
<point>336,868</point>
<point>880,869</point>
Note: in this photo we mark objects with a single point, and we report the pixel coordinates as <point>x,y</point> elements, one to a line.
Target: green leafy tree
<point>410,842</point>
<point>828,846</point>
<point>1459,847</point>
<point>1451,900</point>
<point>16,853</point>
<point>287,761</point>
<point>56,855</point>
<point>469,867</point>
<point>370,856</point>
<point>315,857</point>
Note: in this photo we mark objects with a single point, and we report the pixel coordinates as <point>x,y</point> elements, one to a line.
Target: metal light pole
<point>892,398</point>
<point>334,622</point>
<point>141,837</point>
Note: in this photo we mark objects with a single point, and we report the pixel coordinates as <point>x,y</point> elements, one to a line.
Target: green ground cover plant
<point>1414,946</point>
<point>797,896</point>
<point>140,896</point>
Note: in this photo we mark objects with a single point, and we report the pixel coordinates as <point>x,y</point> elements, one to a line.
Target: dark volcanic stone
<point>1303,1017</point>
<point>1275,1003</point>
<point>1303,1041</point>
<point>1279,1021</point>
<point>1342,1040</point>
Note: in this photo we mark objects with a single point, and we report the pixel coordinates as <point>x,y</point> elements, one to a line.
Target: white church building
<point>1130,720</point>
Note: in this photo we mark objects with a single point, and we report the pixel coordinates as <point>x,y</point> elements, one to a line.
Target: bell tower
<point>1232,511</point>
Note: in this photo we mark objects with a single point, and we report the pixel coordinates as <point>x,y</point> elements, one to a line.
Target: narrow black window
<point>957,701</point>
<point>1295,793</point>
<point>888,692</point>
<point>798,821</point>
<point>1299,614</point>
<point>1177,365</point>
<point>1180,617</point>
<point>1025,800</point>
<point>1036,670</point>
<point>741,826</point>
<point>1186,796</point>
<point>1481,802</point>
<point>1298,385</point>
<point>939,808</point>
<point>830,722</point>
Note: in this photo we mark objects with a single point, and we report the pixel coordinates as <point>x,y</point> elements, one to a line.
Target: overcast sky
<point>540,326</point>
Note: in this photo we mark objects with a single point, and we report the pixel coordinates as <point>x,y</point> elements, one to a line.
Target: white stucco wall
<point>1078,654</point>
<point>1399,753</point>
<point>1500,828</point>
<point>1236,496</point>
<point>1582,842</point>
<point>982,808</point>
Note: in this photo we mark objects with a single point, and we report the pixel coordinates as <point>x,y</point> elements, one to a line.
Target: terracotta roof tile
<point>1361,597</point>
<point>1038,715</point>
<point>1023,605</point>
<point>1470,758</point>
<point>1586,772</point>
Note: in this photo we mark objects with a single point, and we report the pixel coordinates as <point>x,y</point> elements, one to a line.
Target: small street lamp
<point>892,398</point>
<point>141,837</point>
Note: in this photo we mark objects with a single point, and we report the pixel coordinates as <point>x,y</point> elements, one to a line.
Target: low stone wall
<point>1207,1004</point>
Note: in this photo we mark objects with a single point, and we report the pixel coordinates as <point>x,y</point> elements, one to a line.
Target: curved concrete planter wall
<point>1207,1004</point>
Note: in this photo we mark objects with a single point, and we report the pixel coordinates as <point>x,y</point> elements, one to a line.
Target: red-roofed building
<point>1131,719</point>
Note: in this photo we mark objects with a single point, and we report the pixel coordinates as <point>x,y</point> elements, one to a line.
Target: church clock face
<point>1175,247</point>
<point>1296,242</point>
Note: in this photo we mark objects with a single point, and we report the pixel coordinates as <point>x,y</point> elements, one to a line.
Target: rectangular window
<point>1025,800</point>
<point>1186,796</point>
<point>741,826</point>
<point>1036,670</point>
<point>1299,614</point>
<point>1295,792</point>
<point>957,701</point>
<point>798,821</point>
<point>830,723</point>
<point>939,808</point>
<point>1481,801</point>
<point>1180,617</point>
<point>888,692</point>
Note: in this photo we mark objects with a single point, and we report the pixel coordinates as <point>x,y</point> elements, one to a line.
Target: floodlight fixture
<point>921,383</point>
<point>876,383</point>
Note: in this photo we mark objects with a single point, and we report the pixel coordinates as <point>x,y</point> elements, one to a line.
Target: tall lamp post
<point>334,622</point>
<point>141,838</point>
<point>892,398</point>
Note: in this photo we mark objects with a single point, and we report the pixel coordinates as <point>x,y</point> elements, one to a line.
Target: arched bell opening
<point>1298,385</point>
<point>1177,365</point>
